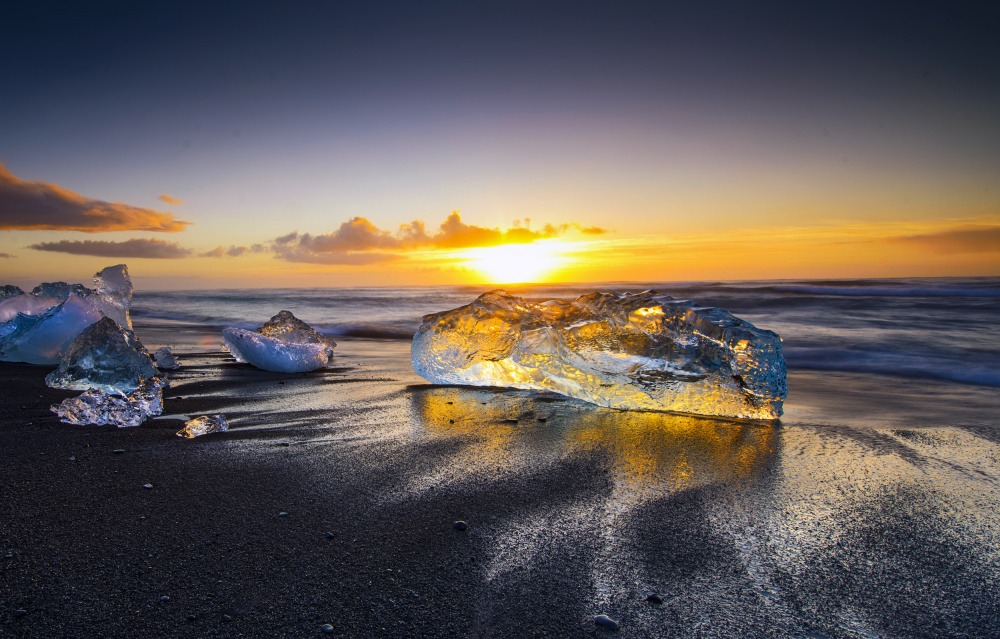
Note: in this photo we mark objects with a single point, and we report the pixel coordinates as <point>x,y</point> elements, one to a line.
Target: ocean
<point>942,329</point>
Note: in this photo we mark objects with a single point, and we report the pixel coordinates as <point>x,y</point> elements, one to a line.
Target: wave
<point>893,364</point>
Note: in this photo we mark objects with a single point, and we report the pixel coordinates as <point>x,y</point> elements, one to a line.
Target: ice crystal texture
<point>638,351</point>
<point>114,294</point>
<point>100,408</point>
<point>283,344</point>
<point>104,356</point>
<point>37,327</point>
<point>42,338</point>
<point>203,426</point>
<point>165,359</point>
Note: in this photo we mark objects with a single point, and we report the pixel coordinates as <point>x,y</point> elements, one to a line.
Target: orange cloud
<point>43,206</point>
<point>135,247</point>
<point>962,239</point>
<point>234,251</point>
<point>359,241</point>
<point>170,199</point>
<point>6,255</point>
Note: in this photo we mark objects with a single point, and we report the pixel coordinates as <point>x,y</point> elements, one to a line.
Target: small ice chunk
<point>203,426</point>
<point>114,294</point>
<point>9,290</point>
<point>645,351</point>
<point>289,329</point>
<point>100,408</point>
<point>272,354</point>
<point>165,359</point>
<point>43,338</point>
<point>104,356</point>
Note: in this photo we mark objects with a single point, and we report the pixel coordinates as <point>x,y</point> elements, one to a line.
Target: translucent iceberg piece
<point>645,351</point>
<point>62,290</point>
<point>43,338</point>
<point>26,305</point>
<point>104,356</point>
<point>289,329</point>
<point>9,290</point>
<point>114,294</point>
<point>165,359</point>
<point>100,408</point>
<point>272,354</point>
<point>203,426</point>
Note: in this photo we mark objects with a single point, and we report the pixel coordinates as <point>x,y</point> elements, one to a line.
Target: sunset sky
<point>353,144</point>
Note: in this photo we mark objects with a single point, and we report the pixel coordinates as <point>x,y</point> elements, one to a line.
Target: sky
<point>265,144</point>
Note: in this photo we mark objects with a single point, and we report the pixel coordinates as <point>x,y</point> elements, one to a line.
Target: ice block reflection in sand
<point>647,454</point>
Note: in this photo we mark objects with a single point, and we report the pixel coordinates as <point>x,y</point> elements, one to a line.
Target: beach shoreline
<point>744,528</point>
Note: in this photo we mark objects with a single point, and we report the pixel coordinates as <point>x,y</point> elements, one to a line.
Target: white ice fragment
<point>203,426</point>
<point>289,329</point>
<point>41,339</point>
<point>165,359</point>
<point>114,294</point>
<point>272,354</point>
<point>104,356</point>
<point>26,304</point>
<point>100,408</point>
<point>646,351</point>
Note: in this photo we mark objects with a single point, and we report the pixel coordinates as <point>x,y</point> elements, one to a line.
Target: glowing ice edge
<point>645,351</point>
<point>272,354</point>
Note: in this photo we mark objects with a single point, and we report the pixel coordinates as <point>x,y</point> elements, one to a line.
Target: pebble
<point>191,617</point>
<point>227,618</point>
<point>327,628</point>
<point>451,421</point>
<point>164,598</point>
<point>282,514</point>
<point>147,486</point>
<point>654,598</point>
<point>20,613</point>
<point>118,451</point>
<point>460,525</point>
<point>328,535</point>
<point>541,419</point>
<point>605,621</point>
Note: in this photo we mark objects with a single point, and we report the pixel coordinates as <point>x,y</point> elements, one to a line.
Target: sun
<point>515,263</point>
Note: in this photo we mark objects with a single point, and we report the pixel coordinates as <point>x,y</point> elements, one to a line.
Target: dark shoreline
<point>570,517</point>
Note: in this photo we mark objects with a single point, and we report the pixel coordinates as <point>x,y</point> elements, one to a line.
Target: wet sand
<point>870,510</point>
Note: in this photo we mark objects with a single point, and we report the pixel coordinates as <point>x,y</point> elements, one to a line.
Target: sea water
<point>943,329</point>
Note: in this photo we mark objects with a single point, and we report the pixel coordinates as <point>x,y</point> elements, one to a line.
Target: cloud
<point>135,247</point>
<point>593,230</point>
<point>961,239</point>
<point>170,199</point>
<point>44,206</point>
<point>234,251</point>
<point>6,255</point>
<point>359,241</point>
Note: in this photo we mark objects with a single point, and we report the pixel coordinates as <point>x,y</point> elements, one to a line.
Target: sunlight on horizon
<point>516,263</point>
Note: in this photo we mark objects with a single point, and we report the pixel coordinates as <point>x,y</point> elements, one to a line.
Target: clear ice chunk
<point>287,328</point>
<point>165,359</point>
<point>203,426</point>
<point>100,408</point>
<point>271,354</point>
<point>114,294</point>
<point>104,356</point>
<point>26,304</point>
<point>43,338</point>
<point>642,351</point>
<point>62,290</point>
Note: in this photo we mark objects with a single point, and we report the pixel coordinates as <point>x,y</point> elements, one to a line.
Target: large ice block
<point>631,351</point>
<point>9,290</point>
<point>62,290</point>
<point>165,359</point>
<point>272,354</point>
<point>42,338</point>
<point>104,356</point>
<point>283,344</point>
<point>100,408</point>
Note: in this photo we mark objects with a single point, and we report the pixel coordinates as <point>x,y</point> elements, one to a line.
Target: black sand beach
<point>870,510</point>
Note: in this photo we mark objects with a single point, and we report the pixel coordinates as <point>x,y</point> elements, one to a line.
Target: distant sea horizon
<point>940,328</point>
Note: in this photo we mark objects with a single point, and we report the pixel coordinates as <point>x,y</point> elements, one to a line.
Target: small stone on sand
<point>654,598</point>
<point>460,525</point>
<point>118,451</point>
<point>605,621</point>
<point>328,535</point>
<point>20,613</point>
<point>147,485</point>
<point>282,514</point>
<point>164,598</point>
<point>327,628</point>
